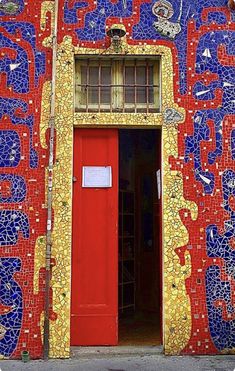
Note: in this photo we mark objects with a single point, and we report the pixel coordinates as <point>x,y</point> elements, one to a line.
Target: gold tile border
<point>176,304</point>
<point>62,203</point>
<point>135,120</point>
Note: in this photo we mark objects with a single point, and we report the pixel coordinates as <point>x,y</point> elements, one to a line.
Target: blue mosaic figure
<point>11,306</point>
<point>17,188</point>
<point>218,289</point>
<point>11,223</point>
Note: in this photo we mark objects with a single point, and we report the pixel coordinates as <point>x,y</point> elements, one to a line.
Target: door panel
<point>95,242</point>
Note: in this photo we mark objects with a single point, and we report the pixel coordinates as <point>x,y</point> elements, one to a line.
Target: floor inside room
<point>139,237</point>
<point>140,329</point>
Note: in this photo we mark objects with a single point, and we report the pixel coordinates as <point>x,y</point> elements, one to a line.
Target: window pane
<point>143,93</point>
<point>83,87</point>
<point>141,80</point>
<point>98,79</point>
<point>105,80</point>
<point>151,82</point>
<point>93,80</point>
<point>129,80</point>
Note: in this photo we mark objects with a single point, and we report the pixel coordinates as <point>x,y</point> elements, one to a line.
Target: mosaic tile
<point>11,8</point>
<point>9,148</point>
<point>12,188</point>
<point>11,305</point>
<point>22,175</point>
<point>196,43</point>
<point>11,223</point>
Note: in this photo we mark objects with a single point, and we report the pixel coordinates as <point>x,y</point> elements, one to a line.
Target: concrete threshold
<point>114,351</point>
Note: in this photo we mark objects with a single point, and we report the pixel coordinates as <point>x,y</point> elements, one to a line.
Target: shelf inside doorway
<point>126,283</point>
<point>126,260</point>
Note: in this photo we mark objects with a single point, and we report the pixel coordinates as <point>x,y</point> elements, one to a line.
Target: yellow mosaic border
<point>176,304</point>
<point>176,308</point>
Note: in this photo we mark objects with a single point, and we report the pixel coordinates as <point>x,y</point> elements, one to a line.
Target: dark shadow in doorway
<point>139,238</point>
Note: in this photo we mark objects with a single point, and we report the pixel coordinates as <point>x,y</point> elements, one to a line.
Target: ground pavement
<point>124,359</point>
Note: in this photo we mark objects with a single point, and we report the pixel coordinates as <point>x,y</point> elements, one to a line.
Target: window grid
<point>101,85</point>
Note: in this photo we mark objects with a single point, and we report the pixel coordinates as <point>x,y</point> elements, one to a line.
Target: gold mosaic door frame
<point>176,304</point>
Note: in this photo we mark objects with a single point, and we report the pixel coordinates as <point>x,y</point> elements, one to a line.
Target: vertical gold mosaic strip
<point>47,6</point>
<point>39,260</point>
<point>40,246</point>
<point>62,197</point>
<point>177,310</point>
<point>62,202</point>
<point>45,112</point>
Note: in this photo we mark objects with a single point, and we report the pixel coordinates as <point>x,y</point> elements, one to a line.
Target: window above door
<point>128,85</point>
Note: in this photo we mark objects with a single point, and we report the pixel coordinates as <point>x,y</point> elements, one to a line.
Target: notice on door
<point>96,176</point>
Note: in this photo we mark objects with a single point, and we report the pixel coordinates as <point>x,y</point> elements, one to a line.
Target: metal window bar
<point>119,85</point>
<point>87,84</point>
<point>111,86</point>
<point>124,84</point>
<point>147,83</point>
<point>99,88</point>
<point>135,89</point>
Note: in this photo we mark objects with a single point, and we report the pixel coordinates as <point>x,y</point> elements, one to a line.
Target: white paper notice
<point>96,176</point>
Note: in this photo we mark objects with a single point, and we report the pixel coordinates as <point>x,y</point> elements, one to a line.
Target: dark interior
<point>139,288</point>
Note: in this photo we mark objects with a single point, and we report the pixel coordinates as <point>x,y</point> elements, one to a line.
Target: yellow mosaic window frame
<point>136,120</point>
<point>117,89</point>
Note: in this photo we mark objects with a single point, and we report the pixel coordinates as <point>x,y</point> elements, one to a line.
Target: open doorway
<point>139,253</point>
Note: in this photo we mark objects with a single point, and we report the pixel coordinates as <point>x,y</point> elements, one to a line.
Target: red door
<point>94,308</point>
